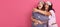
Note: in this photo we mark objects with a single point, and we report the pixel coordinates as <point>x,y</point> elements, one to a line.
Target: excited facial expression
<point>40,5</point>
<point>46,6</point>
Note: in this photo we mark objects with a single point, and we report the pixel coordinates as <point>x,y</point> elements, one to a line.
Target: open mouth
<point>39,6</point>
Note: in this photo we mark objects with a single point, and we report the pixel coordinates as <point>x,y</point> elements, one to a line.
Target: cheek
<point>46,6</point>
<point>41,5</point>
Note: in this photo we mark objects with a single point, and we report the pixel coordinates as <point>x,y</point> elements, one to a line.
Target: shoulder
<point>51,11</point>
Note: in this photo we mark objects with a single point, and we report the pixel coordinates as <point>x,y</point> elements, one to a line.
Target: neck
<point>46,9</point>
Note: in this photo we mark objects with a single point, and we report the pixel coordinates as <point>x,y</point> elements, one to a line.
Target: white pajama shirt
<point>52,19</point>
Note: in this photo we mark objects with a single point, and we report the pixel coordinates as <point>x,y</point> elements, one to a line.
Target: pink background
<point>16,13</point>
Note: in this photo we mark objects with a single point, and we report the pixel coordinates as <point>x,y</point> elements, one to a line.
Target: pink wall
<point>16,13</point>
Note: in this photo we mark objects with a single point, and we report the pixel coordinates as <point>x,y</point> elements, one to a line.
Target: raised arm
<point>43,12</point>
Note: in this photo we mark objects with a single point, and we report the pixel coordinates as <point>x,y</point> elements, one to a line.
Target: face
<point>40,5</point>
<point>46,6</point>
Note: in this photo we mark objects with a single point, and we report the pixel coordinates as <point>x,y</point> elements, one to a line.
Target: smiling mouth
<point>39,6</point>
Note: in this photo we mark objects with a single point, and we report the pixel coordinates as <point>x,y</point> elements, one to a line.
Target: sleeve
<point>33,14</point>
<point>52,17</point>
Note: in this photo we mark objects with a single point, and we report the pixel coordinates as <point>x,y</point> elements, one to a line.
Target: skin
<point>40,5</point>
<point>46,7</point>
<point>43,12</point>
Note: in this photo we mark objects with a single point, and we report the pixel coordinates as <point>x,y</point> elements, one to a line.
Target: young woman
<point>38,19</point>
<point>52,17</point>
<point>51,13</point>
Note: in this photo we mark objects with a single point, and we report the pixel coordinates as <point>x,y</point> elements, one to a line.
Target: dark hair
<point>51,8</point>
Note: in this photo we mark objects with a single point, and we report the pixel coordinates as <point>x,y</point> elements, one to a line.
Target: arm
<point>36,21</point>
<point>43,12</point>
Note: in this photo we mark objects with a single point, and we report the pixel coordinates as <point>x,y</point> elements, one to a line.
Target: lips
<point>39,6</point>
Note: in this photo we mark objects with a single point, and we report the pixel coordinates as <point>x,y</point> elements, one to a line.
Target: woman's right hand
<point>40,22</point>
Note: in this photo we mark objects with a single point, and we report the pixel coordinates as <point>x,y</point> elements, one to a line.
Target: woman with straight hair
<point>39,19</point>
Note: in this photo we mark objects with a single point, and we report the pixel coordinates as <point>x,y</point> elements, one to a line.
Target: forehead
<point>46,4</point>
<point>41,2</point>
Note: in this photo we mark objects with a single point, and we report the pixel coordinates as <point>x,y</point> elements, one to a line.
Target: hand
<point>40,22</point>
<point>35,22</point>
<point>35,10</point>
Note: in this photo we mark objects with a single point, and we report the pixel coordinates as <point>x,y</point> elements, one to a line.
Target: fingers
<point>35,24</point>
<point>40,22</point>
